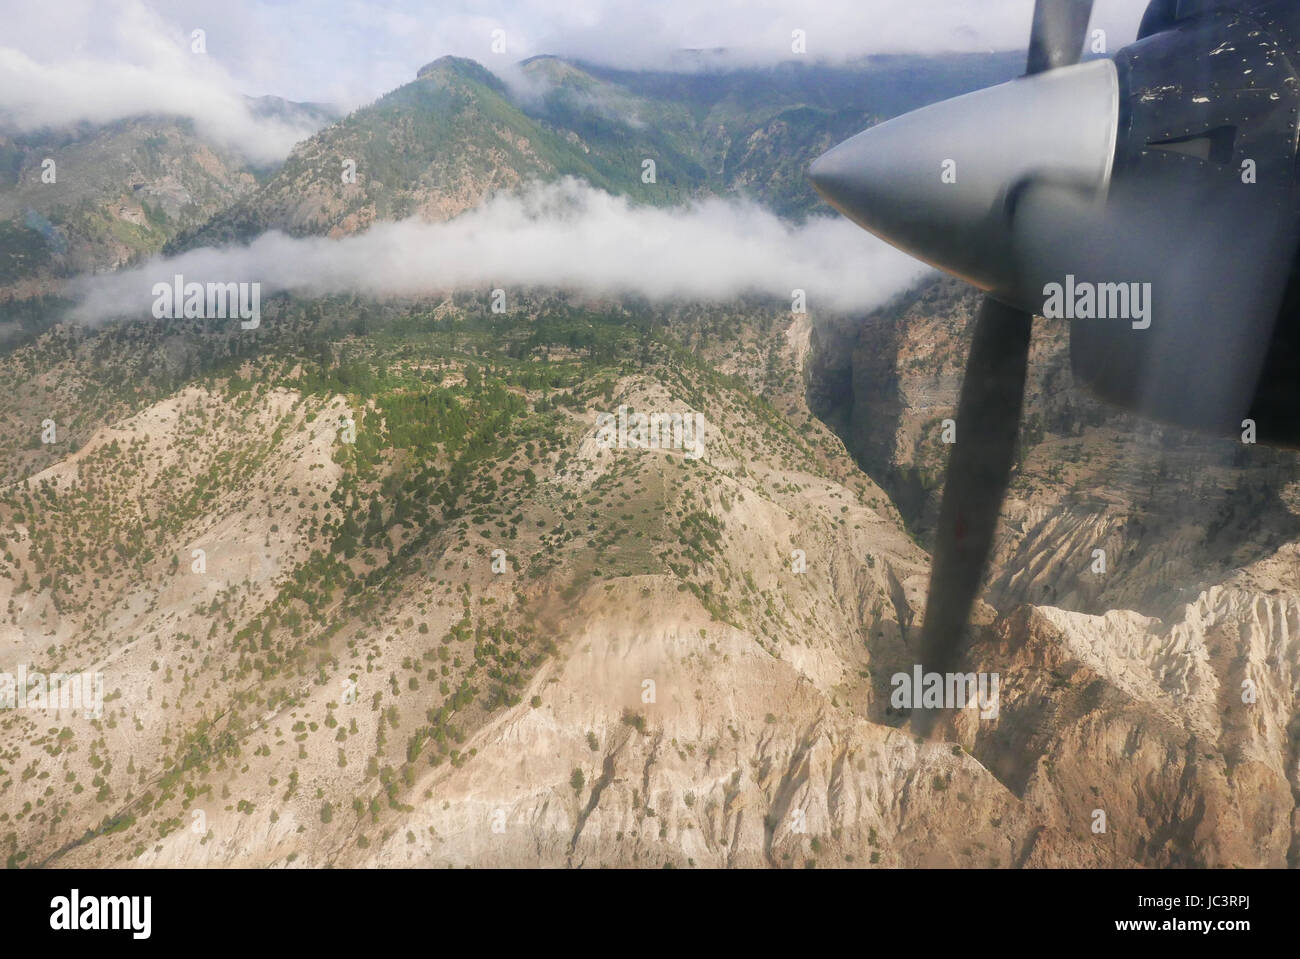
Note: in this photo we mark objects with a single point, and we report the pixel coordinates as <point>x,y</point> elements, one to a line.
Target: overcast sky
<point>102,59</point>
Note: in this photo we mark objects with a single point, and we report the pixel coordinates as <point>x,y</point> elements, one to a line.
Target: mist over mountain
<point>565,235</point>
<point>440,144</point>
<point>86,198</point>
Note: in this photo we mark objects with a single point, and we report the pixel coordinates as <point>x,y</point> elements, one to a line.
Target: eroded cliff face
<point>743,760</point>
<point>1142,597</point>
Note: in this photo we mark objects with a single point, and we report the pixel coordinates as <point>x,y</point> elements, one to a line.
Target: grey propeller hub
<point>940,183</point>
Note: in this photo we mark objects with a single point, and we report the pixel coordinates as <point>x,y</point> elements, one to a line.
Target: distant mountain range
<point>438,145</point>
<point>116,192</point>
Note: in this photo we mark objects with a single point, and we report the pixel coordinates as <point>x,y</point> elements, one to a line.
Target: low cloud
<point>102,59</point>
<point>564,235</point>
<point>118,58</point>
<point>760,32</point>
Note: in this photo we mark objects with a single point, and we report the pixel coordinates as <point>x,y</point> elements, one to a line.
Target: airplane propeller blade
<point>988,413</point>
<point>979,469</point>
<point>1056,39</point>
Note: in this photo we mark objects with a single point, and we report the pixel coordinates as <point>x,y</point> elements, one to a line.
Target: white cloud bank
<point>565,235</point>
<point>629,33</point>
<point>118,58</point>
<point>102,60</point>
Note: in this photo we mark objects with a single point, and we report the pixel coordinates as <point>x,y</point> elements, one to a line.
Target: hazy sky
<point>98,59</point>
